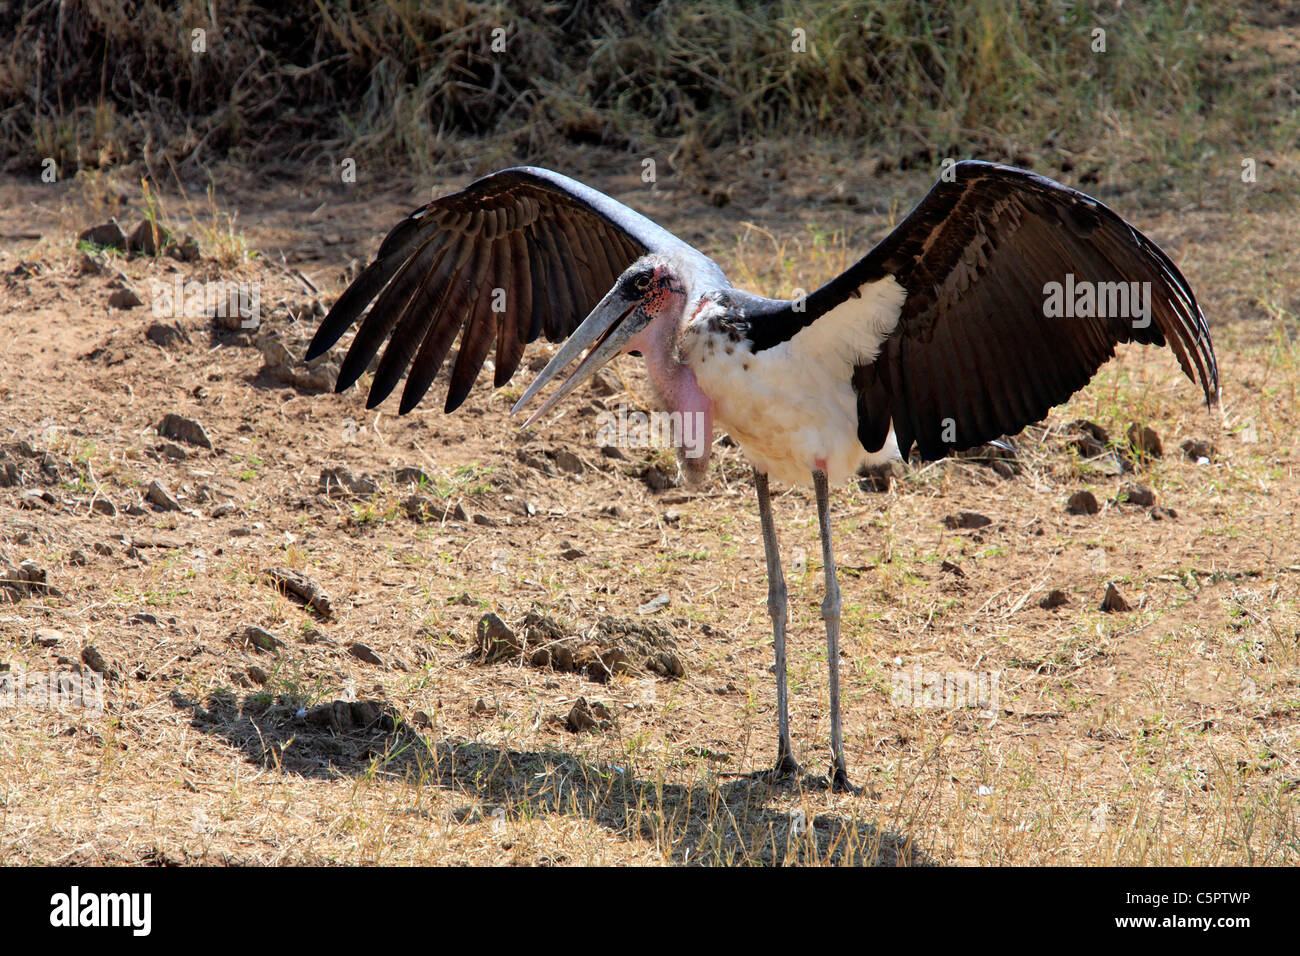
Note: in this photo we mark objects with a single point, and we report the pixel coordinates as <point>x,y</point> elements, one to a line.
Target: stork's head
<point>644,312</point>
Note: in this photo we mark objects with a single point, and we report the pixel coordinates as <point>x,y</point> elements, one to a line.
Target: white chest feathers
<point>792,407</point>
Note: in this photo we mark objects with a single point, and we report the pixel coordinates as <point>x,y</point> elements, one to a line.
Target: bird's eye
<point>641,282</point>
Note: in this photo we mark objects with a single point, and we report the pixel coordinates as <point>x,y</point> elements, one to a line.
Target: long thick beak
<point>605,331</point>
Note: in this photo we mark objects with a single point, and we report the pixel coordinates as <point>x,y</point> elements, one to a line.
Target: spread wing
<point>978,350</point>
<point>515,255</point>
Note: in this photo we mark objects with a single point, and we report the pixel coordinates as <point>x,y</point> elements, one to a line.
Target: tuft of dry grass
<point>1164,85</point>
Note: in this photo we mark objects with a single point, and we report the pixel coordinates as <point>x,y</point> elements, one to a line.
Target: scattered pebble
<point>299,585</point>
<point>496,639</point>
<point>1145,441</point>
<point>340,480</point>
<point>364,653</point>
<point>106,235</point>
<point>1139,495</point>
<point>158,495</point>
<point>1053,599</point>
<point>587,715</point>
<point>179,428</point>
<point>1114,602</point>
<point>260,638</point>
<point>567,461</point>
<point>124,298</point>
<point>1199,450</point>
<point>966,520</point>
<point>1083,503</point>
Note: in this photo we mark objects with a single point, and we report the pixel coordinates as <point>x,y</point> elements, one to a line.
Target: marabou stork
<point>940,337</point>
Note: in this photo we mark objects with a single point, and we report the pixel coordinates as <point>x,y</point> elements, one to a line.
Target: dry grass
<point>99,83</point>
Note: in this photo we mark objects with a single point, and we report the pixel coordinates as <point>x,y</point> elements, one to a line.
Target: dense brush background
<point>99,82</point>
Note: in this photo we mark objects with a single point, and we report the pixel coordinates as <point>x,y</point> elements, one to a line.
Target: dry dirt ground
<point>371,729</point>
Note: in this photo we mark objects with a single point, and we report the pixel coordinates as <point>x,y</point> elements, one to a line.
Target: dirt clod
<point>1114,602</point>
<point>966,520</point>
<point>188,430</point>
<point>298,585</point>
<point>1139,495</point>
<point>1144,440</point>
<point>1083,503</point>
<point>158,496</point>
<point>588,715</point>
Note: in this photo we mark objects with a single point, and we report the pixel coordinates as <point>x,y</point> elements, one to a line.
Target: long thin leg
<point>831,615</point>
<point>786,765</point>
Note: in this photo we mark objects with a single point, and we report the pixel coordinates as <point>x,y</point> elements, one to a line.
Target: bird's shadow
<point>714,821</point>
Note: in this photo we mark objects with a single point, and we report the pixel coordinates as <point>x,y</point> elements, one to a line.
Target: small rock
<point>158,495</point>
<point>1053,599</point>
<point>603,384</point>
<point>567,461</point>
<point>260,638</point>
<point>1139,495</point>
<point>166,334</point>
<point>257,675</point>
<point>172,452</point>
<point>952,568</point>
<point>876,479</point>
<point>534,461</point>
<point>482,708</point>
<point>47,637</point>
<point>1087,438</point>
<point>221,511</point>
<point>363,653</point>
<point>124,298</point>
<point>572,554</point>
<point>420,507</point>
<point>187,430</point>
<point>412,476</point>
<point>147,238</point>
<point>92,658</point>
<point>966,520</point>
<point>186,249</point>
<point>1114,602</point>
<point>612,451</point>
<point>37,498</point>
<point>485,521</point>
<point>1083,503</point>
<point>1159,513</point>
<point>106,235</point>
<point>340,480</point>
<point>496,639</point>
<point>78,557</point>
<point>657,603</point>
<point>102,506</point>
<point>302,587</point>
<point>1145,441</point>
<point>1199,450</point>
<point>612,511</point>
<point>656,478</point>
<point>586,715</point>
<point>102,548</point>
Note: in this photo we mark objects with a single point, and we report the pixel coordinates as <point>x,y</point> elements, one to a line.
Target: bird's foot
<point>787,768</point>
<point>839,780</point>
